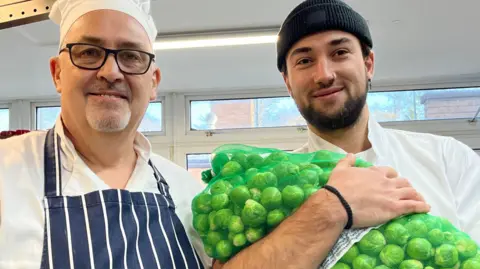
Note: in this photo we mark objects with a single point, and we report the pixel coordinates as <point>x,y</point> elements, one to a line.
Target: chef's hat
<point>66,12</point>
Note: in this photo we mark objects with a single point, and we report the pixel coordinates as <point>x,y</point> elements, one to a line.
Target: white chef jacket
<point>22,191</point>
<point>445,171</point>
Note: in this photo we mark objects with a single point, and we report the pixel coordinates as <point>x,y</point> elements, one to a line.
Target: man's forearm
<point>301,241</point>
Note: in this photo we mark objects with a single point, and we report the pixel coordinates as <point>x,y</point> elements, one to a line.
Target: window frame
<point>35,105</point>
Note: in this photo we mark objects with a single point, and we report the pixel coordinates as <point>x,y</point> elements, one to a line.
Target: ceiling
<point>413,40</point>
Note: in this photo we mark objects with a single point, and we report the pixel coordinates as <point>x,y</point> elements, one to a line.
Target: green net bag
<point>252,190</point>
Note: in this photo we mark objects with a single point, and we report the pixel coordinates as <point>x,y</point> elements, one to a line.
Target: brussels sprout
<point>213,238</point>
<point>275,217</point>
<point>417,229</point>
<point>309,191</point>
<point>271,198</point>
<point>436,237</point>
<point>308,176</point>
<point>411,264</point>
<point>363,261</point>
<point>239,195</point>
<point>221,186</point>
<point>256,194</point>
<point>276,157</point>
<point>340,265</point>
<point>323,178</point>
<point>254,161</point>
<point>220,201</point>
<point>211,221</point>
<point>222,218</point>
<point>231,168</point>
<point>471,264</point>
<point>383,266</point>
<point>310,166</point>
<point>419,249</point>
<point>236,225</point>
<point>362,163</point>
<point>350,255</point>
<point>254,214</point>
<point>224,249</point>
<point>200,223</point>
<point>262,180</point>
<point>202,203</point>
<point>396,233</point>
<point>372,243</point>
<point>293,196</point>
<point>446,256</point>
<point>449,238</point>
<point>467,248</point>
<point>429,267</point>
<point>254,234</point>
<point>392,255</point>
<point>241,159</point>
<point>250,173</point>
<point>218,161</point>
<point>236,181</point>
<point>239,240</point>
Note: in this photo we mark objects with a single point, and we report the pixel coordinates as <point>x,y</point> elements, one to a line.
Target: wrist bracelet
<point>344,203</point>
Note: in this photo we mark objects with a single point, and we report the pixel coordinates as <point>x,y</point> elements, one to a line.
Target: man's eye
<point>341,52</point>
<point>304,61</point>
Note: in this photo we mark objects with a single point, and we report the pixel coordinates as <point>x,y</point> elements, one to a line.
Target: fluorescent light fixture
<point>215,42</point>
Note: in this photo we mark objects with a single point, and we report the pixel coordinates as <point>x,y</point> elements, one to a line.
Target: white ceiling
<point>413,40</point>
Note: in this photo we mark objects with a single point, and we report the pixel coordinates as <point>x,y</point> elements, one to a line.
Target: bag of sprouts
<point>252,190</point>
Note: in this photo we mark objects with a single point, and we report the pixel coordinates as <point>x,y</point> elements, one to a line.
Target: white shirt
<point>445,171</point>
<point>22,191</point>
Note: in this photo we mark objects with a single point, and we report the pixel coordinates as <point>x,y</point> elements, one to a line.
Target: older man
<point>89,193</point>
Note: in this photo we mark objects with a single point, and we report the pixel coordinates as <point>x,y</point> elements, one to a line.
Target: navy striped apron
<point>111,229</point>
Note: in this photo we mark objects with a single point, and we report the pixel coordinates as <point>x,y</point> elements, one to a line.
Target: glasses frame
<point>115,52</point>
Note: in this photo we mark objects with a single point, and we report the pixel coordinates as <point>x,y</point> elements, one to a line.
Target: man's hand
<point>376,194</point>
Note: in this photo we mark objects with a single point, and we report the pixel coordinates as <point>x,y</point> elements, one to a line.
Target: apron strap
<point>52,174</point>
<point>162,184</point>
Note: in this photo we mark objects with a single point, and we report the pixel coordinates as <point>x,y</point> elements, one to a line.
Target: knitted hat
<point>66,12</point>
<point>313,16</point>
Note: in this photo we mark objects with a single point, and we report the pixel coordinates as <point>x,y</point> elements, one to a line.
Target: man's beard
<point>344,118</point>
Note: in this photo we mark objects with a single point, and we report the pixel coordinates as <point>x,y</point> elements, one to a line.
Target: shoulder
<point>416,141</point>
<point>21,149</point>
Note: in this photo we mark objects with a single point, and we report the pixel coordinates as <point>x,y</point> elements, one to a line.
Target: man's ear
<point>156,77</point>
<point>370,64</point>
<point>55,70</point>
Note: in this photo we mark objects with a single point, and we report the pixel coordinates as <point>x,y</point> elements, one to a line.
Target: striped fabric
<point>111,229</point>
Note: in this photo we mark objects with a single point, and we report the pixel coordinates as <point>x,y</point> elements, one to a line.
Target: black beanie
<point>313,16</point>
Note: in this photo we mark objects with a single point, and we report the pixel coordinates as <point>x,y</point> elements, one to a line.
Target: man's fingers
<point>409,193</point>
<point>410,206</point>
<point>389,172</point>
<point>346,162</point>
<point>402,183</point>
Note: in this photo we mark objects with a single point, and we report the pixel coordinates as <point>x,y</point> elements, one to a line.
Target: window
<point>197,163</point>
<point>244,113</point>
<point>152,121</point>
<point>4,119</point>
<point>385,106</point>
<point>424,104</point>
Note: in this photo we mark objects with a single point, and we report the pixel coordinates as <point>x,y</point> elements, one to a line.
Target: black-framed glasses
<point>93,57</point>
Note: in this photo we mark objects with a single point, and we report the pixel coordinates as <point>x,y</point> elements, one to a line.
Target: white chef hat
<point>66,12</point>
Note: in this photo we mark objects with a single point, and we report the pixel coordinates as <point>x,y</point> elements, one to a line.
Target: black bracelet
<point>344,203</point>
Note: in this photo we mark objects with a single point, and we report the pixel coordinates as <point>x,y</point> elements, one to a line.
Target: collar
<point>376,136</point>
<point>141,145</point>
